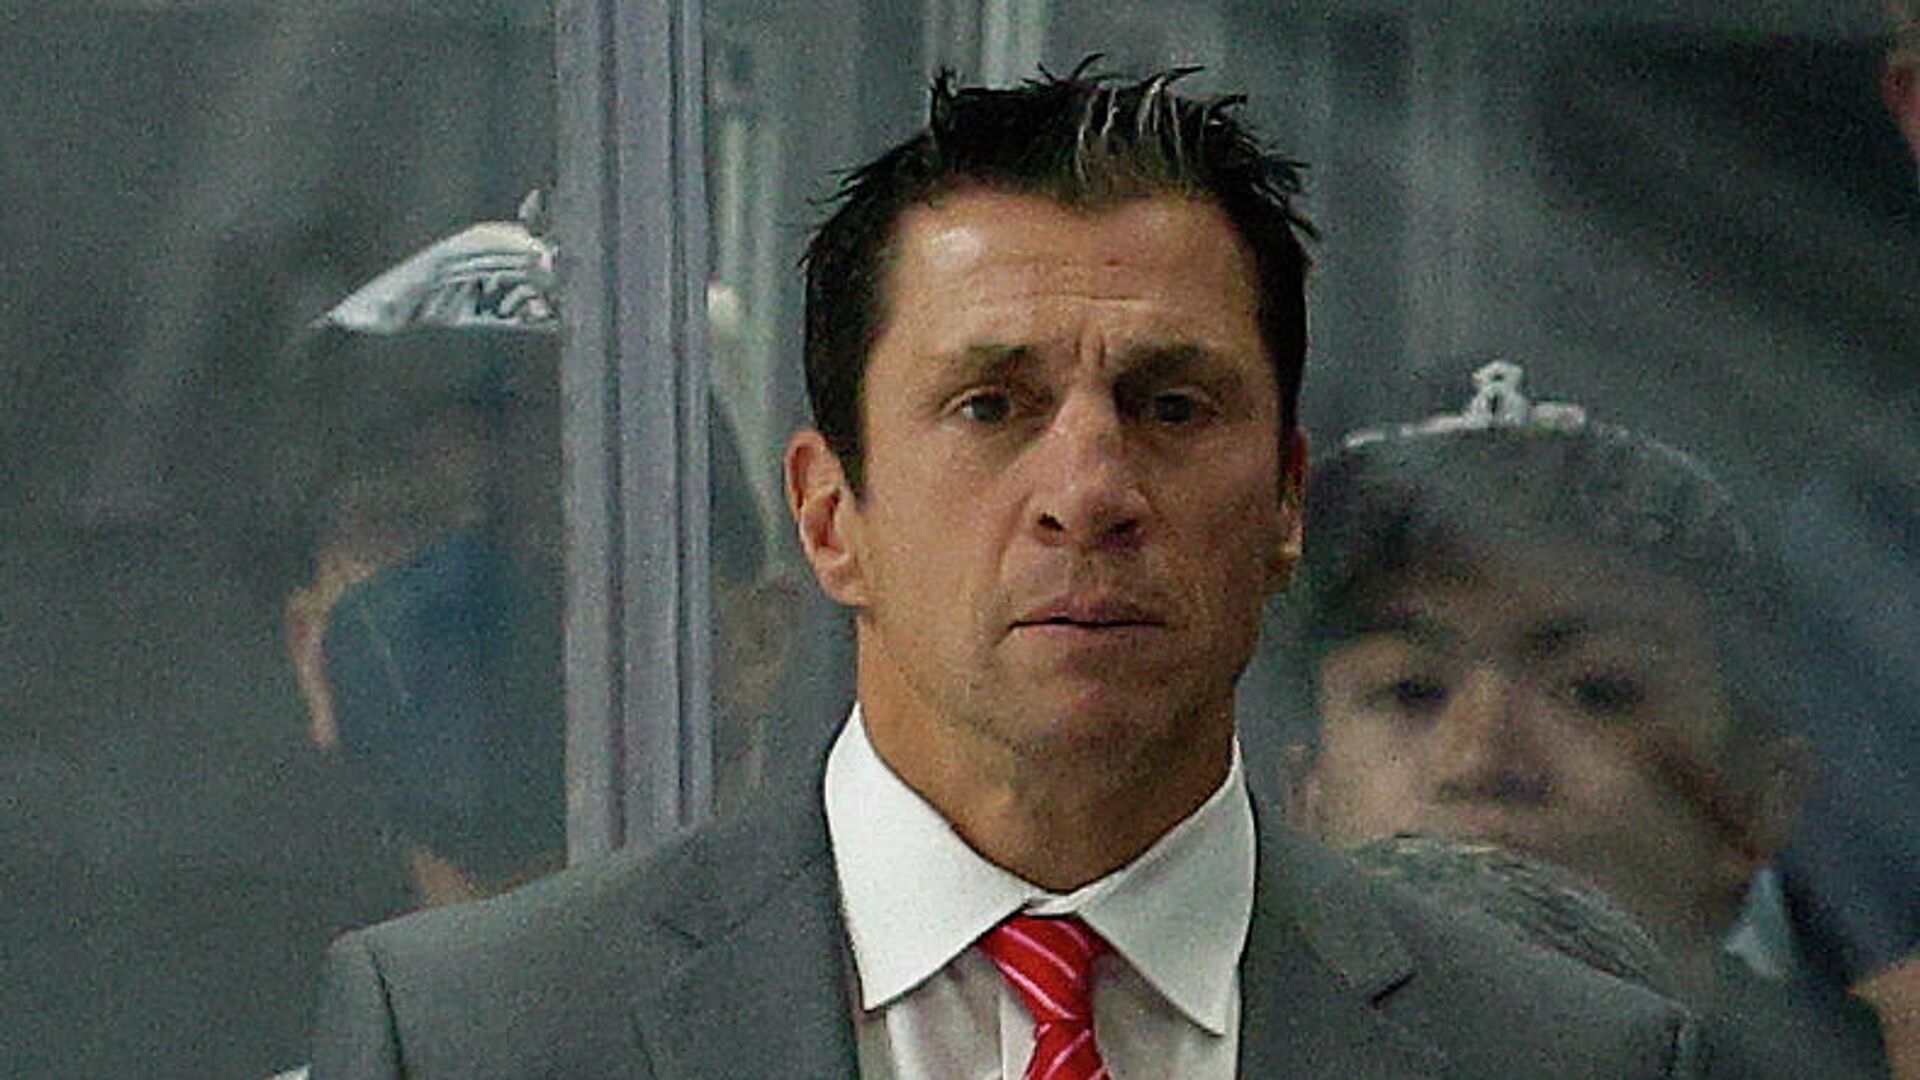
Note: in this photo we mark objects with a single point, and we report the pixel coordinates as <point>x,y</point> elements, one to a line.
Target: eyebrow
<point>987,361</point>
<point>1549,637</point>
<point>1157,361</point>
<point>1410,623</point>
<point>1557,635</point>
<point>1147,360</point>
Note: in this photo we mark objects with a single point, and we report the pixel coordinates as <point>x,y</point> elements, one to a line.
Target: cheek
<point>931,566</point>
<point>1234,533</point>
<point>1602,775</point>
<point>1365,785</point>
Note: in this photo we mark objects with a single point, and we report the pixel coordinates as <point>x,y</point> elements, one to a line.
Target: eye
<point>1416,696</point>
<point>1181,407</point>
<point>986,406</point>
<point>1162,403</point>
<point>1419,695</point>
<point>1607,693</point>
<point>1174,407</point>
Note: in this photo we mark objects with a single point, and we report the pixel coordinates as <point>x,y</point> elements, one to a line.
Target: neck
<point>1055,788</point>
<point>1054,812</point>
<point>1057,825</point>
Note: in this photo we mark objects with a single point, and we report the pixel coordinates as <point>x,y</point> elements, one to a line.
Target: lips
<point>1090,613</point>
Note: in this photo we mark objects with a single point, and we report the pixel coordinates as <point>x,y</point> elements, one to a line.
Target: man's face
<point>1566,706</point>
<point>1076,495</point>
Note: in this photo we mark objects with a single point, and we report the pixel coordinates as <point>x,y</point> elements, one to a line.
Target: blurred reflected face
<point>1073,506</point>
<point>1900,85</point>
<point>1567,710</point>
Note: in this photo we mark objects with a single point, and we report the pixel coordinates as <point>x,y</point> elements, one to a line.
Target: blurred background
<point>1704,226</point>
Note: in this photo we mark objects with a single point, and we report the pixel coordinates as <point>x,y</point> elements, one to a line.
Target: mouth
<point>1520,827</point>
<point>1089,615</point>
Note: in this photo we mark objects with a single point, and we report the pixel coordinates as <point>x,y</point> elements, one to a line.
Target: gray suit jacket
<point>724,956</point>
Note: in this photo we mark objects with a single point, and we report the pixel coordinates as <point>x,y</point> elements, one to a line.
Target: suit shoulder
<point>631,908</point>
<point>1499,1004</point>
<point>546,981</point>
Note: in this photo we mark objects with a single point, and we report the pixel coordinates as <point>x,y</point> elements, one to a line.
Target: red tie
<point>1050,961</point>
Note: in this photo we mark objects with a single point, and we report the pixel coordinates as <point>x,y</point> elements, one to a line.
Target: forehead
<point>982,260</point>
<point>1521,593</point>
<point>950,230</point>
<point>1566,605</point>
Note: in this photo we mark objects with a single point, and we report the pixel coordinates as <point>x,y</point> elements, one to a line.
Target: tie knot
<point>1050,962</point>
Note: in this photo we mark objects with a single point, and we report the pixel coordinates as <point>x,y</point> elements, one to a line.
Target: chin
<point>1102,720</point>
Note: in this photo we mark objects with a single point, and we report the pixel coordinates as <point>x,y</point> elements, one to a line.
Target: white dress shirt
<point>915,898</point>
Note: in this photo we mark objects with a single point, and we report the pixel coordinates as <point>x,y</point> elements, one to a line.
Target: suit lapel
<point>766,989</point>
<point>1320,962</point>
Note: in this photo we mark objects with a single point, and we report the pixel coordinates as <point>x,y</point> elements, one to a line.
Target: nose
<point>1491,749</point>
<point>1087,491</point>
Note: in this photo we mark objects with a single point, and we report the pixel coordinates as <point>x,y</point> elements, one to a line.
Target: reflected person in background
<point>1053,348</point>
<point>1894,989</point>
<point>1900,79</point>
<point>1519,626</point>
<point>427,644</point>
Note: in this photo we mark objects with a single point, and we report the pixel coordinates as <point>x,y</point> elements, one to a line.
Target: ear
<point>1293,510</point>
<point>308,612</point>
<point>306,627</point>
<point>827,515</point>
<point>1900,88</point>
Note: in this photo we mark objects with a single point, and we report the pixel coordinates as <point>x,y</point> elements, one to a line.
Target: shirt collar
<point>915,896</point>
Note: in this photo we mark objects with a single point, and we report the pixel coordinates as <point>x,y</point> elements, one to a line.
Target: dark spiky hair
<point>1087,141</point>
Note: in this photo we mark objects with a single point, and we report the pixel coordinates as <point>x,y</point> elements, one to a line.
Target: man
<point>425,632</point>
<point>1522,627</point>
<point>425,636</point>
<point>1053,347</point>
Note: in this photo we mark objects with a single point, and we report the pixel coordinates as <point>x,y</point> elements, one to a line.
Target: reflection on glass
<point>1708,226</point>
<point>1711,224</point>
<point>427,646</point>
<point>189,185</point>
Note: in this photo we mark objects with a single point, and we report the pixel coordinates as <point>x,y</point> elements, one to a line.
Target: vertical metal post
<point>1447,163</point>
<point>631,218</point>
<point>996,42</point>
<point>1012,34</point>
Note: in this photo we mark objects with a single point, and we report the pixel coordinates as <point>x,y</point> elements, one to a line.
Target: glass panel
<point>189,186</point>
<point>1703,231</point>
<point>785,107</point>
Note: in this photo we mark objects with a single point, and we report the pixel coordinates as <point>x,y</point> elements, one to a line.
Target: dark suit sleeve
<point>354,1037</point>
